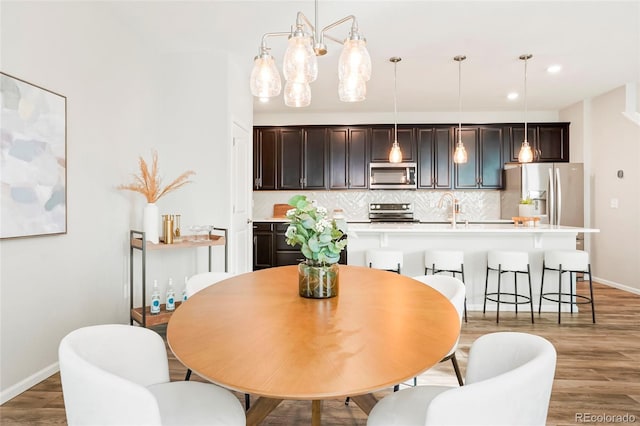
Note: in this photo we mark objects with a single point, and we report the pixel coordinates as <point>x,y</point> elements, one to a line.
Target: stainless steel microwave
<point>392,176</point>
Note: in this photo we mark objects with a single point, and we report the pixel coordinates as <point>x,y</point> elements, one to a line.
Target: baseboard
<point>617,285</point>
<point>29,382</point>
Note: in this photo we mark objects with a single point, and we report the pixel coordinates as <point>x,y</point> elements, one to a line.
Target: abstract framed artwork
<point>33,160</point>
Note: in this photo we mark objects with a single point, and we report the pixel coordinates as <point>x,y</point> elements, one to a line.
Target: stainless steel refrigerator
<point>557,191</point>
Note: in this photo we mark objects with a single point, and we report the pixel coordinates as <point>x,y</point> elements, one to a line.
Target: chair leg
<point>188,376</point>
<point>515,289</point>
<point>559,291</point>
<point>571,297</point>
<point>530,291</point>
<point>486,285</point>
<point>498,304</point>
<point>465,296</point>
<point>593,308</point>
<point>456,367</point>
<point>541,288</point>
<point>247,401</point>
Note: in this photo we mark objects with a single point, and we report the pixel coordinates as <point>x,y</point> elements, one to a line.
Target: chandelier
<point>300,64</point>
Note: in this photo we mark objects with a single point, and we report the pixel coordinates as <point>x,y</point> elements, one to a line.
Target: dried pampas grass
<point>149,183</point>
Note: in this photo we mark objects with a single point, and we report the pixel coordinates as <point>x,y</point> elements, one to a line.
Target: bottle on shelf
<point>184,289</point>
<point>155,299</point>
<point>171,296</point>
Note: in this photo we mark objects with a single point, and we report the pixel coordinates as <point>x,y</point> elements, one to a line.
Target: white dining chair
<point>508,382</point>
<point>454,290</point>
<point>388,260</point>
<point>117,374</point>
<point>201,281</point>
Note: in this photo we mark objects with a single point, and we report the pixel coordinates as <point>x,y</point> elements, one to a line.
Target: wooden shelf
<point>186,241</point>
<point>157,319</point>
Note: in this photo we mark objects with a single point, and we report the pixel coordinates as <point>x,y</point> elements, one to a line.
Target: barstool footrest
<point>524,299</point>
<point>583,299</point>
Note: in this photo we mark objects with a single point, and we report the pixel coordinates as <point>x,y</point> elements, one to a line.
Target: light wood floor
<point>598,369</point>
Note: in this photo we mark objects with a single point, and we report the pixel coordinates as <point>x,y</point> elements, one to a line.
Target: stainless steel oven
<point>392,176</point>
<point>391,212</point>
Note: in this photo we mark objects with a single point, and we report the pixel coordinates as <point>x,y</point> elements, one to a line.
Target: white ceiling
<point>596,42</point>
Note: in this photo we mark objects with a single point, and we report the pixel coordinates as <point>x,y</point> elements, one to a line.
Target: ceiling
<point>597,43</point>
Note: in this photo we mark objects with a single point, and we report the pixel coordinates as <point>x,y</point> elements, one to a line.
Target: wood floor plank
<point>597,371</point>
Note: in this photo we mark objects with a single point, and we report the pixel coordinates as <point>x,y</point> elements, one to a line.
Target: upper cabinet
<point>549,141</point>
<point>435,148</point>
<point>483,169</point>
<point>265,152</point>
<point>348,157</point>
<point>290,158</point>
<point>338,157</point>
<point>383,136</point>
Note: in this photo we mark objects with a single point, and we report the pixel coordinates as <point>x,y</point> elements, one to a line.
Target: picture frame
<point>33,160</point>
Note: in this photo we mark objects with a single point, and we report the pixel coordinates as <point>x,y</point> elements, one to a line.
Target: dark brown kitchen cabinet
<point>263,245</point>
<point>314,160</point>
<point>290,158</point>
<point>382,138</point>
<point>270,247</point>
<point>549,142</point>
<point>348,157</point>
<point>265,153</point>
<point>290,155</point>
<point>483,169</point>
<point>435,147</point>
<point>553,143</point>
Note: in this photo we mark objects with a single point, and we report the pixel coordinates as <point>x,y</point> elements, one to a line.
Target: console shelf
<point>137,241</point>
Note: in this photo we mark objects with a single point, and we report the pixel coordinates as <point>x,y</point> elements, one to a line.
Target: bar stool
<point>388,260</point>
<point>516,262</point>
<point>571,261</point>
<point>451,261</point>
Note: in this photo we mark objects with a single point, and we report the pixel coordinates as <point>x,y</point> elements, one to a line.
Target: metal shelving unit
<point>137,241</point>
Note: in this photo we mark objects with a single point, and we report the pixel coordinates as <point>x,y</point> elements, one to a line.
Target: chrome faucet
<point>455,206</point>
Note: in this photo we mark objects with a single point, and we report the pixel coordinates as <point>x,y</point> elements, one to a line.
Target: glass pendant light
<point>355,58</point>
<point>297,94</point>
<point>352,89</point>
<point>265,79</point>
<point>460,154</point>
<point>526,154</point>
<point>300,63</point>
<point>395,155</point>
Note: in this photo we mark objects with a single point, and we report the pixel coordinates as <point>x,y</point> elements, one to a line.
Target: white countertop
<point>400,228</point>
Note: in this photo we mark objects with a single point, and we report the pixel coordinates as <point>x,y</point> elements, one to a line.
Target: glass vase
<point>318,281</point>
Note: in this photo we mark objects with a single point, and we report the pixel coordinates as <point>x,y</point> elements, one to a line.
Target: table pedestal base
<point>262,406</point>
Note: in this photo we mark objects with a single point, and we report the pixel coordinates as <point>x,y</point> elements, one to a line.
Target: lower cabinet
<point>270,247</point>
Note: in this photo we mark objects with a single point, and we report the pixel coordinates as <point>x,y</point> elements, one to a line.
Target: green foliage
<point>321,239</point>
<point>526,201</point>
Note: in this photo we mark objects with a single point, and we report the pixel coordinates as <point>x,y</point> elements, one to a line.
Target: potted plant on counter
<point>321,241</point>
<point>526,208</point>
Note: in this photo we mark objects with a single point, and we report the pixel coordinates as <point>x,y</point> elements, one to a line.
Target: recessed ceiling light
<point>512,96</point>
<point>553,69</point>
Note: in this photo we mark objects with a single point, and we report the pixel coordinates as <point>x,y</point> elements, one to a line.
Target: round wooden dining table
<point>254,334</point>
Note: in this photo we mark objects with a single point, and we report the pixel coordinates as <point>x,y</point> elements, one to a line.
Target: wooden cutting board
<point>280,210</point>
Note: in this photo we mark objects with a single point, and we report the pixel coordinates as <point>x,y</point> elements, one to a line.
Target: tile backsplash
<point>475,205</point>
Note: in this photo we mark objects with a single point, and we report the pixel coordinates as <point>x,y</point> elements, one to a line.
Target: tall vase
<point>150,222</point>
<point>318,281</point>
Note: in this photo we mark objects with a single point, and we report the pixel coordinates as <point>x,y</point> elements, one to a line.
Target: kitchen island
<point>475,240</point>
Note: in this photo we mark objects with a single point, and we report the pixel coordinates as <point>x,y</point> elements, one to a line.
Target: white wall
<point>300,117</point>
<point>610,142</point>
<point>124,99</point>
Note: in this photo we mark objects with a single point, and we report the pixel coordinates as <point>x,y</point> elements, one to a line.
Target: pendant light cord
<point>459,101</point>
<point>395,99</point>
<point>525,98</point>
